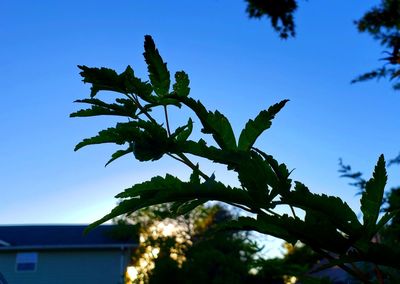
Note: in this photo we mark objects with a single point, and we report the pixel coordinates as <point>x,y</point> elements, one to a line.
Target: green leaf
<point>372,197</point>
<point>182,133</point>
<point>271,227</point>
<point>195,176</point>
<point>123,107</point>
<point>161,190</point>
<point>132,84</point>
<point>333,208</point>
<point>256,176</point>
<point>118,154</point>
<point>121,134</point>
<point>101,79</point>
<point>148,139</point>
<point>219,126</point>
<point>181,86</point>
<point>214,123</point>
<point>385,219</point>
<point>106,79</point>
<point>314,233</point>
<point>158,72</point>
<point>254,128</point>
<point>282,184</point>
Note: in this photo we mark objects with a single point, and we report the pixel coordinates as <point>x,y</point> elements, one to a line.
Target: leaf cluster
<point>329,226</point>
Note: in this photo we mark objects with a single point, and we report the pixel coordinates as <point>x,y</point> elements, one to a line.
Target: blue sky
<point>236,65</point>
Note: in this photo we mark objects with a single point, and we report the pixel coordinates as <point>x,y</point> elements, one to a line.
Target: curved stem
<point>241,207</point>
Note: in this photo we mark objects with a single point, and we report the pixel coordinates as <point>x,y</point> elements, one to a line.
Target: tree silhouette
<point>383,24</point>
<point>280,13</point>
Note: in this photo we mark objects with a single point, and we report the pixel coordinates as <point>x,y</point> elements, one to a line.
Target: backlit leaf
<point>333,208</point>
<point>214,123</point>
<point>123,107</point>
<point>118,154</point>
<point>255,127</point>
<point>371,199</point>
<point>158,72</point>
<point>182,133</point>
<point>181,86</point>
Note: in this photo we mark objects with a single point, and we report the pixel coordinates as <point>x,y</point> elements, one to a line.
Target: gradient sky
<point>236,65</point>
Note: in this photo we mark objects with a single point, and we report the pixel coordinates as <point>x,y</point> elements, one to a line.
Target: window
<point>26,261</point>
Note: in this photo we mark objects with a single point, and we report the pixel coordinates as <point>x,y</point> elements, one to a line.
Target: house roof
<point>27,237</point>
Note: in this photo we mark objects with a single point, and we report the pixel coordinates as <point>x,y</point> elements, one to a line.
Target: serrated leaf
<point>122,133</point>
<point>148,139</point>
<point>158,72</point>
<point>93,111</point>
<point>124,207</point>
<point>254,128</point>
<point>270,227</point>
<point>182,133</point>
<point>181,86</point>
<point>106,79</point>
<point>195,176</point>
<point>118,154</point>
<point>257,177</point>
<point>101,79</point>
<point>314,234</point>
<point>385,219</point>
<point>372,197</point>
<point>214,123</point>
<point>123,107</point>
<point>220,127</point>
<point>161,190</point>
<point>230,158</point>
<point>283,184</point>
<point>134,85</point>
<point>333,208</point>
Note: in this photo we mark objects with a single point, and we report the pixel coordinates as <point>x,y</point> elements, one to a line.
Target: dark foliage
<point>383,23</point>
<point>280,12</point>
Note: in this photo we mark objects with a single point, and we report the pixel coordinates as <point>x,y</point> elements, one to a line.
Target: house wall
<point>67,267</point>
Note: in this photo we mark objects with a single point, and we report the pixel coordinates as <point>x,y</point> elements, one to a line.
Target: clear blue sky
<point>236,65</point>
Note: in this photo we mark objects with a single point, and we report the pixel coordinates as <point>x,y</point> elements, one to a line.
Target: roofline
<point>67,247</point>
<point>4,243</point>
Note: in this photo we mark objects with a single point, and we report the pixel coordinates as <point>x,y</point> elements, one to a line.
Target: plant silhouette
<point>329,227</point>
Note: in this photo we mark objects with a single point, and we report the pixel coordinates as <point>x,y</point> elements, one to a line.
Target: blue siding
<point>68,267</point>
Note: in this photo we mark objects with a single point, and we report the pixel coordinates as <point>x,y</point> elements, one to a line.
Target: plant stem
<point>293,212</point>
<point>136,101</point>
<point>355,272</point>
<point>272,212</point>
<point>167,121</point>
